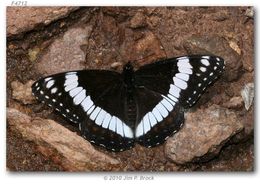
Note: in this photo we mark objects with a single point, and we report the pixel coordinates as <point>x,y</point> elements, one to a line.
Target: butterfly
<point>117,110</point>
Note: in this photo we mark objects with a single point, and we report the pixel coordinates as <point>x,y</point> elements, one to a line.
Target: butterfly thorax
<point>128,75</point>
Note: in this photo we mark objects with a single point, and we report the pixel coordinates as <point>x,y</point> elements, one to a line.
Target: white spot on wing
<point>152,119</point>
<point>203,69</point>
<point>119,127</point>
<point>91,109</point>
<point>71,86</point>
<point>167,104</point>
<point>205,57</point>
<point>50,83</point>
<point>86,103</point>
<point>174,99</point>
<point>180,83</point>
<point>47,79</point>
<point>100,117</point>
<point>184,63</point>
<point>205,62</point>
<point>106,121</point>
<point>112,124</point>
<point>169,100</point>
<point>175,91</point>
<point>185,70</point>
<point>128,131</point>
<point>182,76</point>
<point>146,124</point>
<point>162,110</point>
<point>70,79</point>
<point>94,113</point>
<point>75,91</point>
<point>54,90</point>
<point>139,129</point>
<point>157,115</point>
<point>79,97</point>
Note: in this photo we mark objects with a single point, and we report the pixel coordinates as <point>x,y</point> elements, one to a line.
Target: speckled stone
<point>204,133</point>
<point>64,147</point>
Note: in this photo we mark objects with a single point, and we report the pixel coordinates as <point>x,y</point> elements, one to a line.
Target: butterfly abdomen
<point>131,110</point>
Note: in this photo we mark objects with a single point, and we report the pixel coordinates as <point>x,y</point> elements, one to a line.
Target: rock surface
<point>203,135</point>
<point>22,92</point>
<point>22,19</point>
<point>64,147</point>
<point>65,54</point>
<point>234,103</point>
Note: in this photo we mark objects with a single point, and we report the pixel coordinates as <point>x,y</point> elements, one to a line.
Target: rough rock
<point>65,53</point>
<point>238,157</point>
<point>64,147</point>
<point>234,103</point>
<point>22,19</point>
<point>247,94</point>
<point>250,12</point>
<point>33,53</point>
<point>203,135</point>
<point>220,16</point>
<point>22,92</point>
<point>139,20</point>
<point>212,44</point>
<point>149,48</point>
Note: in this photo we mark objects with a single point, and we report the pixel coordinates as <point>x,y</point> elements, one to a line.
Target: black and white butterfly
<point>116,110</point>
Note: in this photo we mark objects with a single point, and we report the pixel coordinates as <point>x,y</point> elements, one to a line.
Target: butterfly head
<point>128,67</point>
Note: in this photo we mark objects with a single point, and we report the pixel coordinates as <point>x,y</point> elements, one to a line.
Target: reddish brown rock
<point>234,103</point>
<point>149,48</point>
<point>22,92</point>
<point>65,53</point>
<point>139,20</point>
<point>238,157</point>
<point>203,135</point>
<point>22,19</point>
<point>64,147</point>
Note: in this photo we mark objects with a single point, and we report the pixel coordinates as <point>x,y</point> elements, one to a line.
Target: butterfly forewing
<point>183,78</point>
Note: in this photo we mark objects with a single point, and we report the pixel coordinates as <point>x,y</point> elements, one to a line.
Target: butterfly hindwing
<point>91,99</point>
<point>158,117</point>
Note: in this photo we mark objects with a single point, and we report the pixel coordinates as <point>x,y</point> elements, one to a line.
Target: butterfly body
<point>116,110</point>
